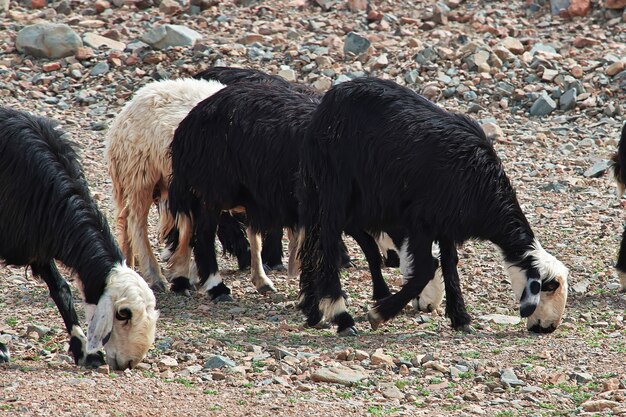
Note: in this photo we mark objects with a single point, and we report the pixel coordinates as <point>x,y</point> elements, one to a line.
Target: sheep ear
<point>101,324</point>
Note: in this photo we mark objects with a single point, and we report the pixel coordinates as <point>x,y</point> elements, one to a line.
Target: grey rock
<point>160,74</point>
<point>568,100</point>
<point>581,377</point>
<point>425,56</point>
<point>96,41</point>
<point>341,79</point>
<point>469,96</point>
<point>411,77</point>
<point>48,40</point>
<point>217,362</point>
<point>500,319</point>
<point>280,353</point>
<point>4,5</point>
<point>338,375</point>
<point>543,48</point>
<point>355,44</point>
<point>99,69</point>
<point>581,287</point>
<point>166,36</point>
<point>508,378</point>
<point>597,170</point>
<point>557,5</point>
<point>543,106</point>
<point>531,389</point>
<point>40,330</point>
<point>570,82</point>
<point>390,391</point>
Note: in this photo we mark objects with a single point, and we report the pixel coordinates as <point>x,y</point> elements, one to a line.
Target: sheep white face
<point>124,320</point>
<point>541,290</point>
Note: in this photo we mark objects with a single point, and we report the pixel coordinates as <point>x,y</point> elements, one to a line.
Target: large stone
<point>513,45</point>
<point>508,378</point>
<point>579,7</point>
<point>166,36</point>
<point>217,361</point>
<point>595,406</point>
<point>40,330</point>
<point>390,391</point>
<point>338,375</point>
<point>615,4</point>
<point>48,40</point>
<point>96,41</point>
<point>500,319</point>
<point>355,44</point>
<point>597,169</point>
<point>543,106</point>
<point>568,100</point>
<point>379,358</point>
<point>540,47</point>
<point>557,5</point>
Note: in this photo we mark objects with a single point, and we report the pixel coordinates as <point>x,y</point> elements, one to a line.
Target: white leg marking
<point>332,308</point>
<point>257,274</point>
<point>213,281</point>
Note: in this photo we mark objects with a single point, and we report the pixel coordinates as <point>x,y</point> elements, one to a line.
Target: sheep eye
<point>124,314</point>
<point>550,285</point>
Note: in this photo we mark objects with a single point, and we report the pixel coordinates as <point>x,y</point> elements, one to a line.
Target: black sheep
<point>378,156</point>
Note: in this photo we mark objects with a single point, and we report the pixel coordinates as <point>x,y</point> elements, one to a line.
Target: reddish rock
<point>51,66</point>
<point>38,4</point>
<point>408,21</point>
<point>615,4</point>
<point>357,5</point>
<point>579,7</point>
<point>101,5</point>
<point>375,16</point>
<point>583,41</point>
<point>84,53</point>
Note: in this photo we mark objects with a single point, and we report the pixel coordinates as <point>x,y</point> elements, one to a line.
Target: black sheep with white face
<point>47,214</point>
<point>619,172</point>
<point>379,156</point>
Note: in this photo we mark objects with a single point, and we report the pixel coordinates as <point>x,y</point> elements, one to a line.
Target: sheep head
<point>124,320</point>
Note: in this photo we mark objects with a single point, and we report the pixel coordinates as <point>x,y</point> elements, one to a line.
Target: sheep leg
<point>331,298</point>
<point>272,253</point>
<point>231,236</point>
<point>293,268</point>
<point>621,260</point>
<point>372,255</point>
<point>4,353</point>
<point>455,304</point>
<point>138,228</point>
<point>205,229</point>
<point>261,282</point>
<point>178,263</point>
<point>308,255</point>
<point>62,295</point>
<point>420,269</point>
<point>121,224</point>
<point>122,237</point>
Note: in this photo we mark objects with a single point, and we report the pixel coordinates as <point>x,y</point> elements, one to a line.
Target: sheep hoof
<point>223,298</point>
<point>94,360</point>
<point>158,286</point>
<point>375,320</point>
<point>266,289</point>
<point>347,332</point>
<point>466,328</point>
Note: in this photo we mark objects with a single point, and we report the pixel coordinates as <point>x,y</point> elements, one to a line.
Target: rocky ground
<point>550,88</point>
